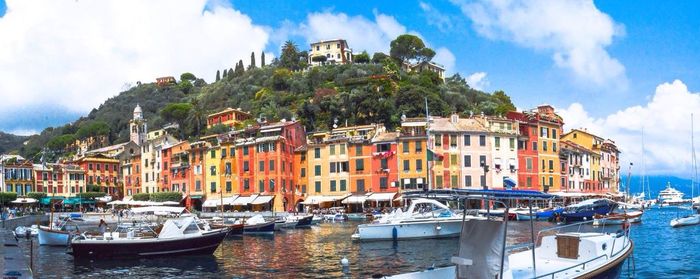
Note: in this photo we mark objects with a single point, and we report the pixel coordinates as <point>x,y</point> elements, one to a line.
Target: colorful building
<point>594,144</point>
<point>463,145</point>
<point>502,138</point>
<point>102,172</point>
<point>197,178</point>
<point>528,171</point>
<point>578,160</point>
<point>333,52</point>
<point>412,154</point>
<point>385,178</point>
<point>610,166</point>
<point>229,117</point>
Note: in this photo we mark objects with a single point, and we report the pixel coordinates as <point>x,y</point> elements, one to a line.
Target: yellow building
<point>411,154</point>
<point>228,167</point>
<point>549,127</point>
<point>228,117</point>
<point>590,141</point>
<point>330,52</point>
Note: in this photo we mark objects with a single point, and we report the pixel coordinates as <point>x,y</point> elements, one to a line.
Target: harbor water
<point>660,252</point>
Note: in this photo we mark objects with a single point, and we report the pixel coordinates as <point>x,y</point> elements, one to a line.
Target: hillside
<point>372,92</point>
<point>10,142</point>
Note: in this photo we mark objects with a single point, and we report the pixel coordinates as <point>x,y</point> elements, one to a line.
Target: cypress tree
<point>262,60</point>
<point>218,75</point>
<point>230,73</point>
<point>225,73</point>
<point>252,60</point>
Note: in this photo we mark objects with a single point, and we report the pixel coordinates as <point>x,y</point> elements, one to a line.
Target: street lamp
<point>486,170</point>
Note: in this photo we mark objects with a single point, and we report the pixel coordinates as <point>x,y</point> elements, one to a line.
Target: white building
<point>502,139</point>
<point>335,52</point>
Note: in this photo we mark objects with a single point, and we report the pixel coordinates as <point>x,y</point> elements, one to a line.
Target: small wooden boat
<point>58,234</point>
<point>617,218</point>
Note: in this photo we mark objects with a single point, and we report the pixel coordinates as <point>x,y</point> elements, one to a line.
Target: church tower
<point>138,128</point>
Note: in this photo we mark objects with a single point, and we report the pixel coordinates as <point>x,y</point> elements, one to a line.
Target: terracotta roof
<point>443,124</point>
<point>384,137</point>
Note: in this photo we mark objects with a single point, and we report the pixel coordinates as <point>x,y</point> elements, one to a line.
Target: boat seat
<point>461,261</point>
<point>115,235</point>
<point>107,236</point>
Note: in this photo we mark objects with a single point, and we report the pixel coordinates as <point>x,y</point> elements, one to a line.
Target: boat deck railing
<point>583,267</point>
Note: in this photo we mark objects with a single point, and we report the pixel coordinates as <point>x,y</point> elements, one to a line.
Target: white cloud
<point>478,80</point>
<point>23,132</point>
<point>76,54</point>
<point>576,34</point>
<point>665,120</point>
<point>436,18</point>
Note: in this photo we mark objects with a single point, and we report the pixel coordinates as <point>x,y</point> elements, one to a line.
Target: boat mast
<point>427,147</point>
<point>644,170</point>
<point>694,174</point>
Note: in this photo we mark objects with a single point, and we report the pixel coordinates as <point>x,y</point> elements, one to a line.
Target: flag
<point>432,156</point>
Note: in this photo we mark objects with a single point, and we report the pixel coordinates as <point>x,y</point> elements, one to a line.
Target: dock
<point>15,262</point>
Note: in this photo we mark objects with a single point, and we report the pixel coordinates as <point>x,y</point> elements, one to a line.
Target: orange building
<point>197,179</point>
<point>411,154</point>
<point>180,167</point>
<point>384,163</point>
<point>228,117</point>
<point>101,171</point>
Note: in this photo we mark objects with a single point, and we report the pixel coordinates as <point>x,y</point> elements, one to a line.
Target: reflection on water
<point>660,251</point>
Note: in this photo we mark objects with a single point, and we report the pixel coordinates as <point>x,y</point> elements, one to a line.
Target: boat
<point>424,218</point>
<point>284,223</point>
<point>618,218</point>
<point>523,214</point>
<point>177,237</point>
<point>690,220</point>
<point>21,231</point>
<point>558,252</point>
<point>670,196</point>
<point>694,218</point>
<point>316,219</point>
<point>258,225</point>
<point>58,234</point>
<point>585,210</point>
<point>235,227</point>
<point>302,221</point>
<point>357,216</point>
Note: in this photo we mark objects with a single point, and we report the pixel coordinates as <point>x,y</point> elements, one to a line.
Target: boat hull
<point>130,248</point>
<point>53,237</point>
<point>686,221</point>
<point>409,230</point>
<point>263,228</point>
<point>305,222</point>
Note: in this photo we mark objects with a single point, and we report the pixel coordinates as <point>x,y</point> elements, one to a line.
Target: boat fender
<point>625,225</point>
<point>438,227</point>
<point>394,233</point>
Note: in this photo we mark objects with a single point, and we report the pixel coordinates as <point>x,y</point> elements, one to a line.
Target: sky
<point>622,69</point>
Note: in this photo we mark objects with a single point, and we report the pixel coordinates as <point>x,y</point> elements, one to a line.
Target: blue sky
<point>615,67</point>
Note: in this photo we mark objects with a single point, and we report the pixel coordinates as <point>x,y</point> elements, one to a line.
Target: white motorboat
<point>553,254</point>
<point>424,218</point>
<point>58,234</point>
<point>689,220</point>
<point>21,231</point>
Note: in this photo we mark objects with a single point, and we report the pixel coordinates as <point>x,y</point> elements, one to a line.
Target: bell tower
<point>138,127</point>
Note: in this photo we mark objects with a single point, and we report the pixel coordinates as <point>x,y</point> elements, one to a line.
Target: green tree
<point>262,59</point>
<point>252,61</point>
<point>218,75</point>
<point>504,103</point>
<point>290,56</point>
<point>60,142</point>
<point>225,74</point>
<point>141,196</point>
<point>185,86</point>
<point>176,112</point>
<point>378,57</point>
<point>196,116</point>
<point>92,128</point>
<point>409,47</point>
<point>187,76</point>
<point>362,58</point>
<point>319,59</point>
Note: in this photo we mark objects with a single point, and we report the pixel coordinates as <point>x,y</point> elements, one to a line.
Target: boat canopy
<point>154,209</point>
<point>379,197</point>
<point>178,227</point>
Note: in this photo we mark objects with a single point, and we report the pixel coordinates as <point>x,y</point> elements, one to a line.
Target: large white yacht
<point>670,196</point>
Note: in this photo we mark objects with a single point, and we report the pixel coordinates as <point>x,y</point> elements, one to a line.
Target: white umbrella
<point>171,203</point>
<point>116,203</point>
<point>24,200</point>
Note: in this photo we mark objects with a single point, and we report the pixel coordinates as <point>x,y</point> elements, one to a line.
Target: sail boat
<point>692,219</point>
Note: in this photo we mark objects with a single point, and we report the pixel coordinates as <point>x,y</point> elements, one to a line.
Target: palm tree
<point>196,115</point>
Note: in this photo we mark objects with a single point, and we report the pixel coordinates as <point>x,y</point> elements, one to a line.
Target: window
<point>343,185</point>
<point>454,183</point>
<point>212,188</point>
<point>272,185</point>
<point>512,143</point>
<point>89,166</point>
<point>483,181</point>
<point>337,45</point>
<point>261,185</point>
<point>384,164</point>
<point>344,166</point>
<point>467,161</point>
<point>554,133</point>
<point>497,142</point>
<point>551,165</point>
<point>197,185</point>
<point>467,181</point>
<point>544,131</point>
<point>333,186</point>
<point>245,150</point>
<point>246,184</point>
<point>406,165</point>
<point>317,152</point>
<point>223,153</point>
<point>359,165</point>
<point>246,166</point>
<point>482,161</point>
<point>419,165</point>
<point>467,140</point>
<point>534,145</point>
<point>358,150</point>
<point>317,187</point>
<point>551,181</point>
<point>272,165</point>
<point>453,159</point>
<point>482,140</point>
<point>227,168</point>
<point>212,170</point>
<point>332,164</point>
<point>438,181</point>
<point>383,183</point>
<point>419,146</point>
<point>383,147</point>
<point>554,147</point>
<point>98,166</point>
<point>405,146</point>
<point>528,182</point>
<point>528,164</point>
<point>544,146</point>
<point>212,154</point>
<point>342,149</point>
<point>332,148</point>
<point>438,140</point>
<point>228,186</point>
<point>360,185</point>
<point>261,166</point>
<point>232,152</point>
<point>317,170</point>
<point>453,140</point>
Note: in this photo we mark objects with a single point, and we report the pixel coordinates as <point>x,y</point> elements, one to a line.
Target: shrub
<point>36,195</point>
<point>141,196</point>
<point>6,197</point>
<point>91,195</point>
<point>166,196</point>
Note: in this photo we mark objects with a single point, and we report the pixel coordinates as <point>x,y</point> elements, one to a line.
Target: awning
<point>196,197</point>
<point>105,199</point>
<point>509,182</point>
<point>211,203</point>
<point>322,199</point>
<point>116,203</point>
<point>168,209</point>
<point>381,197</point>
<point>573,194</point>
<point>171,203</point>
<point>355,199</point>
<point>262,200</point>
<point>128,198</point>
<point>47,200</point>
<point>244,200</point>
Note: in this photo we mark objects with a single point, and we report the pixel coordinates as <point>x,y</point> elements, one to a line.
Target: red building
<point>527,150</point>
<point>49,179</point>
<point>228,117</point>
<point>131,174</point>
<point>101,171</point>
<point>385,178</point>
<point>179,167</point>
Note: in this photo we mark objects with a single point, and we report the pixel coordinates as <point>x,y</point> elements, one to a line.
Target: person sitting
<point>102,227</point>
